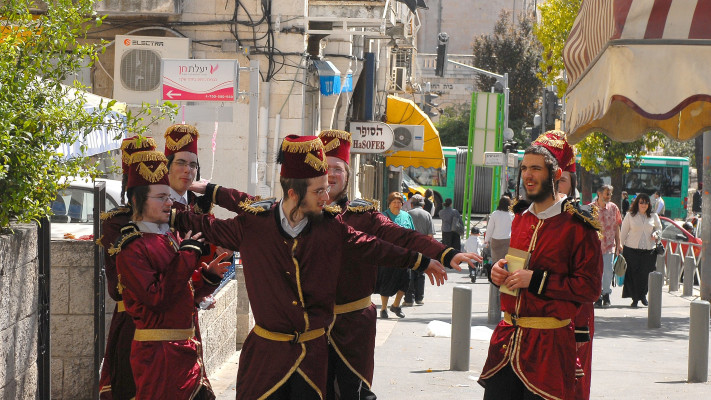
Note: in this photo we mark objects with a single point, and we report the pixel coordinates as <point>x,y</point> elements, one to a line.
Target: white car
<point>74,208</point>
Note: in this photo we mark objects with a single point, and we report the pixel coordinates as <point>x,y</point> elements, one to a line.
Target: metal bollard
<point>689,268</point>
<point>699,341</point>
<point>494,316</point>
<point>461,328</point>
<point>654,310</point>
<point>674,261</point>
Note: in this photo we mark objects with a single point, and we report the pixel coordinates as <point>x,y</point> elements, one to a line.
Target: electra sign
<point>370,137</point>
<point>200,80</point>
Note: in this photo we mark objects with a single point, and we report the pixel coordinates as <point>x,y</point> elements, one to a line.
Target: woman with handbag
<point>641,229</point>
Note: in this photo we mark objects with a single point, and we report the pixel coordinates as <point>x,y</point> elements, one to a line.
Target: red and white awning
<point>639,65</point>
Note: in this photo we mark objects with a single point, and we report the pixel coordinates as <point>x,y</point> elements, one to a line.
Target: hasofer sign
<point>370,137</point>
<point>200,80</point>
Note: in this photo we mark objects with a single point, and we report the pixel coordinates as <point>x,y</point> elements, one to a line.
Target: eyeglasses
<point>183,164</point>
<point>163,199</point>
<point>321,192</point>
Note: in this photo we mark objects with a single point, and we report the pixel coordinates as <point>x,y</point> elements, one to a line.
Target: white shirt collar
<point>551,211</point>
<point>152,227</point>
<point>292,231</point>
<point>178,198</point>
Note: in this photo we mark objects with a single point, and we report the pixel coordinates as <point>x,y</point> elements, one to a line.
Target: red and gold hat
<point>147,168</point>
<point>181,137</point>
<point>133,145</point>
<point>337,144</point>
<point>302,157</point>
<point>556,142</point>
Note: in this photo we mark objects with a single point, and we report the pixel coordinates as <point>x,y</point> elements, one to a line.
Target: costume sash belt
<point>286,337</point>
<point>168,335</point>
<point>352,306</point>
<point>120,307</point>
<point>536,322</point>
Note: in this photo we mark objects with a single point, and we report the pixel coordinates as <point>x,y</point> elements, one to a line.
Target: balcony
<point>139,7</point>
<point>374,19</point>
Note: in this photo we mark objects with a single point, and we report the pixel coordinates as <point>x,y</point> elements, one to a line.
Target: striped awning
<point>636,66</point>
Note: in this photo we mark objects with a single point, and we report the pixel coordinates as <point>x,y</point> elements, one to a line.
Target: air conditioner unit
<point>137,66</point>
<point>399,79</point>
<point>408,137</point>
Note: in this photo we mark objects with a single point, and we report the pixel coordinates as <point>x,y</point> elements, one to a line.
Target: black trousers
<point>505,385</point>
<point>295,388</point>
<point>452,239</point>
<point>343,384</point>
<point>416,288</point>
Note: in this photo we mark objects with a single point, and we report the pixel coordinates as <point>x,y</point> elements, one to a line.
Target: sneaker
<point>644,301</point>
<point>419,302</point>
<point>397,311</point>
<point>384,314</point>
<point>407,304</point>
<point>598,303</point>
<point>606,300</point>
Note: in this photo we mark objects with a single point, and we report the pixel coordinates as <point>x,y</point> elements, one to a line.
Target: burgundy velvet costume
<point>291,284</point>
<point>567,272</point>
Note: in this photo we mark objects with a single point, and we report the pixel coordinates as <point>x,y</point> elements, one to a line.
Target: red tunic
<point>291,284</point>
<point>584,322</point>
<point>567,266</point>
<point>159,291</point>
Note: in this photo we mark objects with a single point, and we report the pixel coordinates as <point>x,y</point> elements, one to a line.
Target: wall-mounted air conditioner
<point>408,137</point>
<point>398,79</point>
<point>137,66</point>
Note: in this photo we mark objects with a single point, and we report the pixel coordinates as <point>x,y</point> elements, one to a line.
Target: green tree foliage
<point>514,50</point>
<point>40,46</point>
<point>676,148</point>
<point>557,17</point>
<point>453,125</point>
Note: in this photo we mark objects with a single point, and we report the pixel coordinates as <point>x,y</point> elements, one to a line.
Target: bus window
<point>428,176</point>
<point>650,179</point>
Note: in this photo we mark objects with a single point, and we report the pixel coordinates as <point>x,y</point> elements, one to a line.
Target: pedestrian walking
<point>422,221</point>
<point>554,266</point>
<point>429,205</point>
<point>658,205</point>
<point>449,215</point>
<point>293,252</point>
<point>696,199</point>
<point>474,244</point>
<point>625,204</point>
<point>498,230</point>
<point>610,220</point>
<point>641,229</point>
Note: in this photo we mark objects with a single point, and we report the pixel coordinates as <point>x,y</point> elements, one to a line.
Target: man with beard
<point>352,336</point>
<point>293,253</point>
<point>532,353</point>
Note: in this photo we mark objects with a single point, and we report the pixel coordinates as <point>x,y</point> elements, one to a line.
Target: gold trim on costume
<point>98,241</point>
<point>417,263</point>
<point>147,143</point>
<point>334,209</point>
<point>352,306</point>
<point>120,286</point>
<point>148,155</point>
<point>287,337</point>
<point>120,307</point>
<point>119,210</point>
<point>117,249</point>
<point>152,176</point>
<point>301,147</point>
<point>536,322</point>
<point>593,222</point>
<point>333,144</point>
<point>319,164</point>
<point>336,133</point>
<point>214,194</point>
<point>348,364</point>
<point>310,382</point>
<point>543,282</point>
<point>174,145</point>
<point>447,250</point>
<point>169,335</point>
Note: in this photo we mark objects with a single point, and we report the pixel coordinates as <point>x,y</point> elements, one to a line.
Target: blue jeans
<point>607,273</point>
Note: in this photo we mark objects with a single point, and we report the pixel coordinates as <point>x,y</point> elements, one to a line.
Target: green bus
<point>668,175</point>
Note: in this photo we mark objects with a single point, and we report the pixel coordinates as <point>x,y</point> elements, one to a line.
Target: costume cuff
<point>539,280</point>
<point>422,262</point>
<point>210,278</point>
<point>582,334</point>
<point>446,256</point>
<point>192,244</point>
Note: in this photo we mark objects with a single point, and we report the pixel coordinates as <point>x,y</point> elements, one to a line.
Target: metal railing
<point>675,265</point>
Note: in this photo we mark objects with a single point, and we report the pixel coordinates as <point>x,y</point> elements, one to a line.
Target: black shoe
<point>598,303</point>
<point>634,304</point>
<point>419,302</point>
<point>384,314</point>
<point>473,278</point>
<point>644,301</point>
<point>606,300</point>
<point>397,311</point>
<point>407,304</point>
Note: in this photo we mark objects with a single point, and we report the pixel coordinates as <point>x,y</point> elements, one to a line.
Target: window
<point>76,205</point>
<point>650,179</point>
<point>428,176</point>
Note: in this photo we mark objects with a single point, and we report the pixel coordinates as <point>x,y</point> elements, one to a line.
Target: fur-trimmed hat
<point>181,137</point>
<point>302,157</point>
<point>147,168</point>
<point>133,145</point>
<point>337,144</point>
<point>556,142</point>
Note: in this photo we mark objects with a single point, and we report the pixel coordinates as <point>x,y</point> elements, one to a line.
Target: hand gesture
<point>436,272</point>
<point>216,267</point>
<point>499,272</point>
<point>188,234</point>
<point>468,258</point>
<point>199,186</point>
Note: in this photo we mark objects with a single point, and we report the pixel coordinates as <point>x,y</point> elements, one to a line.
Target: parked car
<point>673,231</point>
<point>73,209</point>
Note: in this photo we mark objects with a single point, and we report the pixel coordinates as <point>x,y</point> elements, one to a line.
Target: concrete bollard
<point>494,316</point>
<point>654,310</point>
<point>699,341</point>
<point>660,263</point>
<point>689,268</point>
<point>461,328</point>
<point>674,264</point>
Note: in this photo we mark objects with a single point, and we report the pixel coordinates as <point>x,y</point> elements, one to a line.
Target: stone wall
<point>223,328</point>
<point>18,313</point>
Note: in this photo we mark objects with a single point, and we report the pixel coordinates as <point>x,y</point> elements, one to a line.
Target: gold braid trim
<point>374,205</point>
<point>147,144</point>
<point>120,285</point>
<point>593,222</point>
<point>301,147</point>
<point>115,250</point>
<point>152,155</point>
<point>116,211</point>
<point>175,146</point>
<point>152,176</point>
<point>315,162</point>
<point>182,128</point>
<point>98,241</point>
<point>333,144</point>
<point>335,133</point>
<point>246,205</point>
<point>333,210</point>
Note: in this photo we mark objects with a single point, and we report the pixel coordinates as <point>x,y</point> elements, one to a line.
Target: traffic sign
<point>200,80</point>
<point>494,158</point>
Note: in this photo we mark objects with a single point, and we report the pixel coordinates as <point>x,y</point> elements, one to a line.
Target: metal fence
<point>678,263</point>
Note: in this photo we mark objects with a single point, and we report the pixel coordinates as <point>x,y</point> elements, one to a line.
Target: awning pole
<point>706,222</point>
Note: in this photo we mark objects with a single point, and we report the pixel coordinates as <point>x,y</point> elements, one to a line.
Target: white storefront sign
<point>370,137</point>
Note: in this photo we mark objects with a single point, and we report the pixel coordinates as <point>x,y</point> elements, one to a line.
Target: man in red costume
<point>159,279</point>
<point>288,249</point>
<point>532,353</point>
<point>352,336</point>
<point>116,380</point>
